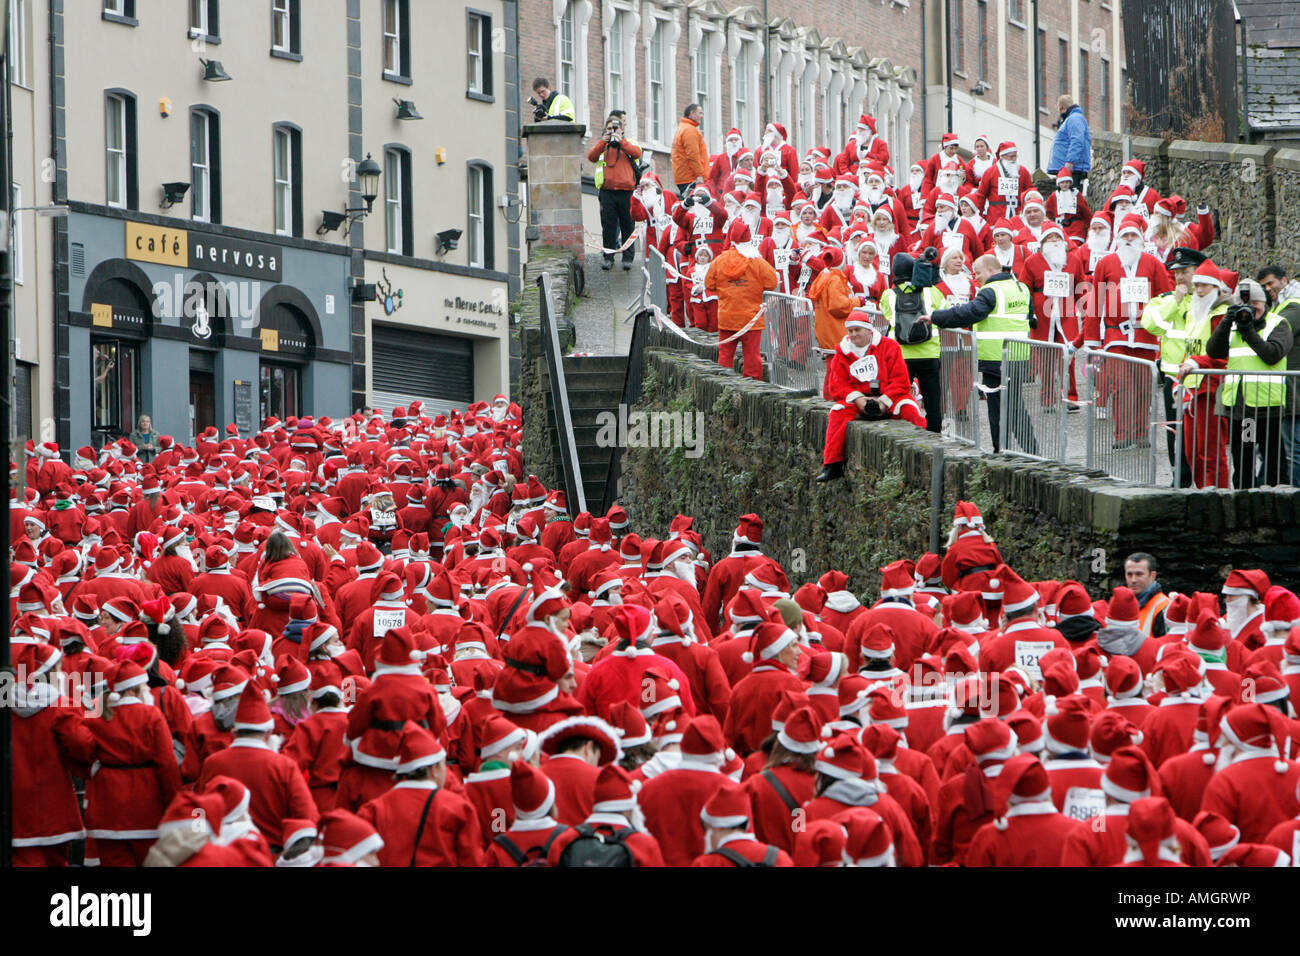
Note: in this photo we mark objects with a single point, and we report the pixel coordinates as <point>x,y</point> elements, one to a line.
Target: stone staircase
<point>595,386</point>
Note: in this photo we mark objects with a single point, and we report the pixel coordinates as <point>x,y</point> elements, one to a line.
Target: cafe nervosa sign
<point>203,251</point>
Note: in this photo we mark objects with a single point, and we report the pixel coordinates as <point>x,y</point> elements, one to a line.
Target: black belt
<point>126,766</point>
<point>977,570</point>
<point>535,669</point>
<point>387,724</point>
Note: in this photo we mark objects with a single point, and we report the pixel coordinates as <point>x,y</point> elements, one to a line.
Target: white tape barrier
<point>637,233</point>
<point>664,321</point>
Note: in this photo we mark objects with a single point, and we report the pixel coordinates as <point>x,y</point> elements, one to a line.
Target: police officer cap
<point>1182,257</point>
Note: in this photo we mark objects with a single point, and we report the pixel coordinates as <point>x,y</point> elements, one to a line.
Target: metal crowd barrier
<point>656,281</point>
<point>1035,379</point>
<point>959,373</point>
<point>789,343</point>
<point>1252,444</point>
<point>1123,425</point>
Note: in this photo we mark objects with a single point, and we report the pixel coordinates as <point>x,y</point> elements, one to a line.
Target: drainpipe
<point>947,56</point>
<point>1038,94</point>
<point>767,68</point>
<point>925,99</point>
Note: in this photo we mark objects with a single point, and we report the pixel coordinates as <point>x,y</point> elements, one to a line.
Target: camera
<point>539,111</point>
<point>1243,313</point>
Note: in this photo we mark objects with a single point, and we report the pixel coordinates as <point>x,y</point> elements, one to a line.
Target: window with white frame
<point>393,185</point>
<point>115,148</point>
<point>479,242</point>
<point>617,52</point>
<point>202,126</point>
<point>833,109</point>
<point>396,38</point>
<point>18,26</point>
<point>478,48</point>
<point>742,106</point>
<point>283,176</point>
<point>571,18</point>
<point>806,120</point>
<point>115,7</point>
<point>657,67</point>
<point>706,83</point>
<point>203,19</point>
<point>286,27</point>
<point>16,235</point>
<point>566,52</point>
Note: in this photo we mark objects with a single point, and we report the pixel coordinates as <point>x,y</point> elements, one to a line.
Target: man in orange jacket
<point>739,277</point>
<point>690,155</point>
<point>832,303</point>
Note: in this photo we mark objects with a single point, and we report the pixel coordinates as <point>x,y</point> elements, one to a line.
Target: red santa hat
<point>802,732</point>
<point>769,639</point>
<point>1006,146</point>
<point>588,728</point>
<point>1253,583</point>
<point>1137,166</point>
<point>749,530</point>
<point>253,713</point>
<point>1150,831</point>
<point>1050,229</point>
<point>531,792</point>
<point>946,139</point>
<point>1220,835</point>
<point>1069,726</point>
<point>738,233</point>
<point>727,809</point>
<point>346,838</point>
<point>1016,593</point>
<point>1023,779</point>
<point>1131,223</point>
<point>989,741</point>
<point>1123,677</point>
<point>1180,670</point>
<point>615,791</point>
<point>1207,273</point>
<point>1171,205</point>
<point>633,730</point>
<point>1127,778</point>
<point>417,749</point>
<point>822,843</point>
<point>292,675</point>
<point>967,515</point>
<point>1002,225</point>
<point>1281,610</point>
<point>1111,730</point>
<point>1248,727</point>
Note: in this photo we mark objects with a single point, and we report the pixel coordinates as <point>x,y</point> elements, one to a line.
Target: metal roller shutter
<point>411,364</point>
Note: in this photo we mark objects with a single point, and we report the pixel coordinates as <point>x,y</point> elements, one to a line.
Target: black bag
<point>910,325</point>
<point>769,858</point>
<point>596,848</point>
<point>536,855</point>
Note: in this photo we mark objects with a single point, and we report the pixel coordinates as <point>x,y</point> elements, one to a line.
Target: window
<point>1106,122</point>
<point>1085,91</point>
<point>397,39</point>
<point>16,235</point>
<point>205,166</point>
<point>286,36</point>
<point>703,88</point>
<point>287,177</point>
<point>281,390</point>
<point>958,37</point>
<point>18,42</point>
<point>982,40</point>
<point>120,11</point>
<point>806,121</point>
<point>116,389</point>
<point>119,151</point>
<point>397,201</point>
<point>478,46</point>
<point>1042,69</point>
<point>740,112</point>
<point>616,89</point>
<point>656,57</point>
<point>1016,12</point>
<point>1063,65</point>
<point>566,56</point>
<point>204,20</point>
<point>479,233</point>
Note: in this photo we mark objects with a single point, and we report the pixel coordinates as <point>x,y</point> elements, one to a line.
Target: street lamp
<point>368,173</point>
<point>368,176</point>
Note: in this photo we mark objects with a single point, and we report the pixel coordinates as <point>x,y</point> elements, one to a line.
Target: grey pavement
<point>601,315</point>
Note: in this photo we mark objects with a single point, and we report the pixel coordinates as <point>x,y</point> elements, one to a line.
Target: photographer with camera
<point>1253,339</point>
<point>906,306</point>
<point>549,104</point>
<point>618,172</point>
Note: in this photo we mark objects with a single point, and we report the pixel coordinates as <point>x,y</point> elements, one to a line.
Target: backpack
<point>536,855</point>
<point>596,848</point>
<point>909,326</point>
<point>769,858</point>
<point>598,178</point>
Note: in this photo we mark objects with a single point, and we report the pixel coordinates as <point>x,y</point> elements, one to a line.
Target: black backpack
<point>909,326</point>
<point>769,858</point>
<point>597,848</point>
<point>536,855</point>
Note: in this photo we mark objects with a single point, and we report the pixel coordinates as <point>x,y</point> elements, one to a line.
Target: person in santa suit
<point>651,205</point>
<point>776,138</point>
<point>950,181</point>
<point>1255,789</point>
<point>421,822</point>
<point>1169,730</point>
<point>133,775</point>
<point>1166,231</point>
<point>533,831</point>
<point>1067,207</point>
<point>1124,282</point>
<point>1032,221</point>
<point>862,147</point>
<point>972,555</point>
<point>838,213</point>
<point>1002,188</point>
<point>316,743</point>
<point>774,652</point>
<point>875,195</point>
<point>672,800</point>
<point>949,147</point>
<point>173,571</point>
<point>1010,255</point>
<point>1124,688</point>
<point>1029,830</point>
<point>949,231</point>
<point>727,836</point>
<point>971,215</point>
<point>1243,603</point>
<point>1074,774</point>
<point>1054,278</point>
<point>1096,244</point>
<point>1131,177</point>
<point>614,820</point>
<point>219,579</point>
<point>722,164</point>
<point>276,786</point>
<point>912,630</point>
<point>702,305</point>
<point>1022,639</point>
<point>981,158</point>
<point>621,675</point>
<point>866,278</point>
<point>867,378</point>
<point>1209,642</point>
<point>728,574</point>
<point>779,792</point>
<point>911,198</point>
<point>1227,848</point>
<point>50,745</point>
<point>1151,837</point>
<point>1128,778</point>
<point>676,640</point>
<point>575,749</point>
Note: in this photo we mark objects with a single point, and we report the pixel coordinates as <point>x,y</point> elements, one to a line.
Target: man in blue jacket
<point>1073,143</point>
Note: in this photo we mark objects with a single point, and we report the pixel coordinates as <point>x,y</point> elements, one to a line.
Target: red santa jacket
<point>960,234</point>
<point>575,786</point>
<point>890,382</point>
<point>642,846</point>
<point>277,788</point>
<point>744,845</point>
<point>50,744</point>
<point>451,835</point>
<point>853,155</point>
<point>1184,778</point>
<point>991,203</point>
<point>316,746</point>
<point>1035,835</point>
<point>1253,795</point>
<point>135,774</point>
<point>1017,641</point>
<point>1074,223</point>
<point>1057,315</point>
<point>749,718</point>
<point>1102,842</point>
<point>772,818</point>
<point>1116,325</point>
<point>913,632</point>
<point>531,838</point>
<point>1169,731</point>
<point>671,803</point>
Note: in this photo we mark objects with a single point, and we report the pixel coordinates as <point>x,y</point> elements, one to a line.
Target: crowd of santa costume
<point>849,213</point>
<point>380,641</point>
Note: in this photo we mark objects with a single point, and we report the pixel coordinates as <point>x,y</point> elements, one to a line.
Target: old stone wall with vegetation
<point>763,446</point>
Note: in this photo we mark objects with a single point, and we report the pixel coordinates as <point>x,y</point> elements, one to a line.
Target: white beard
<point>1129,252</point>
<point>806,184</point>
<point>874,195</point>
<point>750,216</point>
<point>949,185</point>
<point>976,221</point>
<point>915,180</point>
<point>843,201</point>
<point>864,143</point>
<point>1005,256</point>
<point>865,274</point>
<point>1201,306</point>
<point>1132,182</point>
<point>684,571</point>
<point>747,249</point>
<point>732,149</point>
<point>1055,253</point>
<point>1099,243</point>
<point>885,241</point>
<point>653,202</point>
<point>804,230</point>
<point>781,238</point>
<point>942,220</point>
<point>1238,607</point>
<point>959,283</point>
